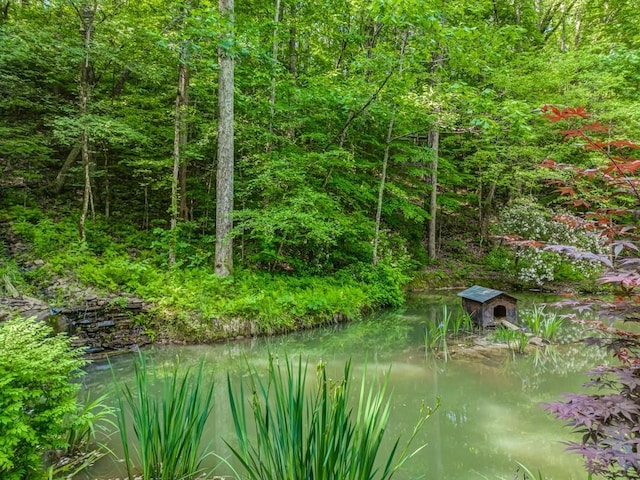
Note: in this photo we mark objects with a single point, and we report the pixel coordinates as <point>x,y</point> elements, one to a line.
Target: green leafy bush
<point>383,282</point>
<point>38,397</point>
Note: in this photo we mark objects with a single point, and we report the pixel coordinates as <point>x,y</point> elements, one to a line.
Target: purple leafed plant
<point>609,421</point>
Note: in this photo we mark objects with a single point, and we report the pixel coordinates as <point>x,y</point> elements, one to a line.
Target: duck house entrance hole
<point>500,311</point>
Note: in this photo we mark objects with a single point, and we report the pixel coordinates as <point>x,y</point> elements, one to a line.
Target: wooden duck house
<point>487,306</point>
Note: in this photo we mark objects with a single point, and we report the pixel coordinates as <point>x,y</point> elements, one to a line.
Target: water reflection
<point>489,417</point>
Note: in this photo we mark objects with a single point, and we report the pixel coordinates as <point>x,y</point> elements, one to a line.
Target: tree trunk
<point>486,202</point>
<point>107,186</point>
<point>434,144</point>
<point>179,139</point>
<point>58,183</point>
<point>437,59</point>
<point>385,162</point>
<point>87,15</point>
<point>383,180</point>
<point>274,66</point>
<point>292,51</point>
<point>224,181</point>
<point>576,38</point>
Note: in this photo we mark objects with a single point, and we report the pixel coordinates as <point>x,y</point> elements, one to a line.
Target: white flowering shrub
<point>535,266</point>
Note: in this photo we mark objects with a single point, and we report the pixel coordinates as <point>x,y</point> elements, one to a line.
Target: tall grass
<point>435,337</point>
<point>516,340</point>
<point>92,415</point>
<point>542,324</point>
<point>314,434</point>
<point>168,427</point>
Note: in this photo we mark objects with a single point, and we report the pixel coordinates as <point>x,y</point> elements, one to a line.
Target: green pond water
<point>489,417</point>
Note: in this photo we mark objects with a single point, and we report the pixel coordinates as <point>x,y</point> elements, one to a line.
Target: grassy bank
<point>42,257</point>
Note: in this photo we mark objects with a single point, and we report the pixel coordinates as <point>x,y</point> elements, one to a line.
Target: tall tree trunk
<point>486,202</point>
<point>576,37</point>
<point>385,161</point>
<point>87,14</point>
<point>179,139</point>
<point>274,73</point>
<point>107,186</point>
<point>563,31</point>
<point>383,181</point>
<point>434,144</point>
<point>293,41</point>
<point>224,181</point>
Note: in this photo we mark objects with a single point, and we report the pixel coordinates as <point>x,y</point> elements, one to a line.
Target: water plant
<point>303,433</point>
<point>517,340</point>
<point>435,337</point>
<point>168,427</point>
<point>93,414</point>
<point>542,324</point>
<point>461,323</point>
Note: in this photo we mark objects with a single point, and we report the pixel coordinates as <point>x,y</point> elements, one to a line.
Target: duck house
<point>487,306</point>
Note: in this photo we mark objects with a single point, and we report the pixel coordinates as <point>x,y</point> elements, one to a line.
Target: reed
<point>169,426</point>
<point>304,433</point>
<point>517,340</point>
<point>542,324</point>
<point>93,414</point>
<point>435,336</point>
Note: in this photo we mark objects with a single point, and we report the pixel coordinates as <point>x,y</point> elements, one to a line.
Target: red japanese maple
<point>609,422</point>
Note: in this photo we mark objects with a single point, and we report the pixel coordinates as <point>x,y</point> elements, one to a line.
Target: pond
<point>489,418</point>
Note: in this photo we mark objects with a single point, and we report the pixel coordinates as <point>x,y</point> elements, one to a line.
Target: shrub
<point>526,219</point>
<point>608,421</point>
<point>38,394</point>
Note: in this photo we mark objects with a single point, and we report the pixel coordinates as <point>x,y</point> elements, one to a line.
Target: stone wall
<point>98,324</point>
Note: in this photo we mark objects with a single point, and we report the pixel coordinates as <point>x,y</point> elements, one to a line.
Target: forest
<point>334,148</point>
<point>299,163</point>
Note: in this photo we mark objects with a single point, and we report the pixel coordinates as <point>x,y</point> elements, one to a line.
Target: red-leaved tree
<point>603,194</point>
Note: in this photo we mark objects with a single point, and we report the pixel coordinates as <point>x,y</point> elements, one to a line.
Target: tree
<point>603,190</point>
<point>86,12</point>
<point>178,178</point>
<point>224,179</point>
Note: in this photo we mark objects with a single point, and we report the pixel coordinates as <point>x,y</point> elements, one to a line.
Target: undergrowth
<point>133,264</point>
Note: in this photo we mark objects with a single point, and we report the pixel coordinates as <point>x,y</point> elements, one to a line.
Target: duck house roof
<point>482,294</point>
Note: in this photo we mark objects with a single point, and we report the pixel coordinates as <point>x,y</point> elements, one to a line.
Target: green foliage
<point>92,415</point>
<point>517,340</point>
<point>38,401</point>
<point>275,301</point>
<point>499,259</point>
<point>446,325</point>
<point>542,324</point>
<point>384,282</point>
<point>168,411</point>
<point>306,432</point>
<point>12,280</point>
